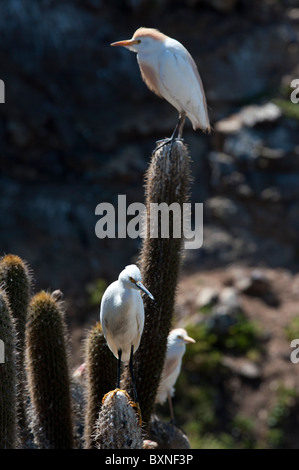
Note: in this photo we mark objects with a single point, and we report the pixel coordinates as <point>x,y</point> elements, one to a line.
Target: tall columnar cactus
<point>48,374</point>
<point>167,181</point>
<point>101,371</point>
<point>8,415</point>
<point>117,424</point>
<point>16,280</point>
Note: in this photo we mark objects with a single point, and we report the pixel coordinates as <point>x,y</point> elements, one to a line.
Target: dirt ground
<point>255,398</point>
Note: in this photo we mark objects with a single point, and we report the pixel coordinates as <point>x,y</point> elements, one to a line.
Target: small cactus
<point>167,181</point>
<point>16,280</point>
<point>8,416</point>
<point>117,424</point>
<point>101,371</point>
<point>48,374</point>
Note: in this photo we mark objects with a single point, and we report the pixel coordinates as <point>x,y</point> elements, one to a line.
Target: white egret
<point>176,347</point>
<point>170,72</point>
<point>122,318</point>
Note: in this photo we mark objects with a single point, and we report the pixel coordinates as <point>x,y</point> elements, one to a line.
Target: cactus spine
<point>117,424</point>
<point>7,376</point>
<point>48,374</point>
<point>16,280</point>
<point>167,181</point>
<point>101,370</point>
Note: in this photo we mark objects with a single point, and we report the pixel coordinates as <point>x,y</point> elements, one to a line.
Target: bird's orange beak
<point>188,339</point>
<point>125,43</point>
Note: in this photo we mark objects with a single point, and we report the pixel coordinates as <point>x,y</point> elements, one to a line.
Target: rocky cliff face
<point>79,124</point>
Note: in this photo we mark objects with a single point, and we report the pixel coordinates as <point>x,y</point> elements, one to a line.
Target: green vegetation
<point>280,415</point>
<point>289,109</point>
<point>243,336</point>
<point>292,329</point>
<point>95,291</point>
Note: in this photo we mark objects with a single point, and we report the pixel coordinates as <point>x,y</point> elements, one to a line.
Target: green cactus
<point>117,424</point>
<point>168,181</point>
<point>48,374</point>
<point>16,280</point>
<point>101,371</point>
<point>8,437</point>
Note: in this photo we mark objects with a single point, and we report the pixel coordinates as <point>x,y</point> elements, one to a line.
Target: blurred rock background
<point>79,125</point>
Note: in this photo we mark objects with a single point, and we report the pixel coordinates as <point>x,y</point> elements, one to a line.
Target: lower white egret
<point>122,318</point>
<point>176,347</point>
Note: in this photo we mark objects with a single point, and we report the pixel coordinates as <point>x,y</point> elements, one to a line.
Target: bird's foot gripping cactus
<point>113,392</point>
<point>117,425</point>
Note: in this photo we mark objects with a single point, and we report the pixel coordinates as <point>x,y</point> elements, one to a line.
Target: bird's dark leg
<point>180,125</point>
<point>172,421</point>
<point>177,130</point>
<point>112,392</point>
<point>118,368</point>
<point>136,403</point>
<point>132,375</point>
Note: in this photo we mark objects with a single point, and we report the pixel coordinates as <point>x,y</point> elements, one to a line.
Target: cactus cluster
<point>8,408</point>
<point>37,398</point>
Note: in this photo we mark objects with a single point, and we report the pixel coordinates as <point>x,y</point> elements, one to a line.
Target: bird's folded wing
<point>170,365</point>
<point>181,81</point>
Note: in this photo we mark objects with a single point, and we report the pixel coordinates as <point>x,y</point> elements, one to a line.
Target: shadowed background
<point>79,125</point>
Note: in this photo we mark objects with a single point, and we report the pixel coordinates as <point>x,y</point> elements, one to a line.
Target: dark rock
<point>257,285</point>
<point>167,435</point>
<point>221,318</point>
<point>207,297</point>
<point>242,367</point>
<point>227,211</point>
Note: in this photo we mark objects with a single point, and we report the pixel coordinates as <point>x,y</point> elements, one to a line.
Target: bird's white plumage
<point>122,312</point>
<point>176,347</point>
<point>169,70</point>
<point>178,81</point>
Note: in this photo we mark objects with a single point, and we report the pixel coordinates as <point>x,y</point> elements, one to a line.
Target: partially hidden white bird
<point>122,317</point>
<point>176,347</point>
<point>170,72</point>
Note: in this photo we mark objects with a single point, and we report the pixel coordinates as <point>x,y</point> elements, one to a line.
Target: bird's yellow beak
<point>188,339</point>
<point>126,42</point>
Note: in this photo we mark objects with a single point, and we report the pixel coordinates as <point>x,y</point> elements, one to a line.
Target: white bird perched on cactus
<point>122,317</point>
<point>176,347</point>
<point>170,72</point>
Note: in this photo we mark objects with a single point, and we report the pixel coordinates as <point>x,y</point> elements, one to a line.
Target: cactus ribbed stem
<point>48,374</point>
<point>167,181</point>
<point>8,439</point>
<point>101,371</point>
<point>117,424</point>
<point>16,280</point>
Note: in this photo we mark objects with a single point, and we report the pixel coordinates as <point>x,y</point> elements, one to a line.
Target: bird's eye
<point>138,41</point>
<point>132,280</point>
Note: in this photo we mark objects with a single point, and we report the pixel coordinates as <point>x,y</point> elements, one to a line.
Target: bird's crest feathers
<point>149,32</point>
